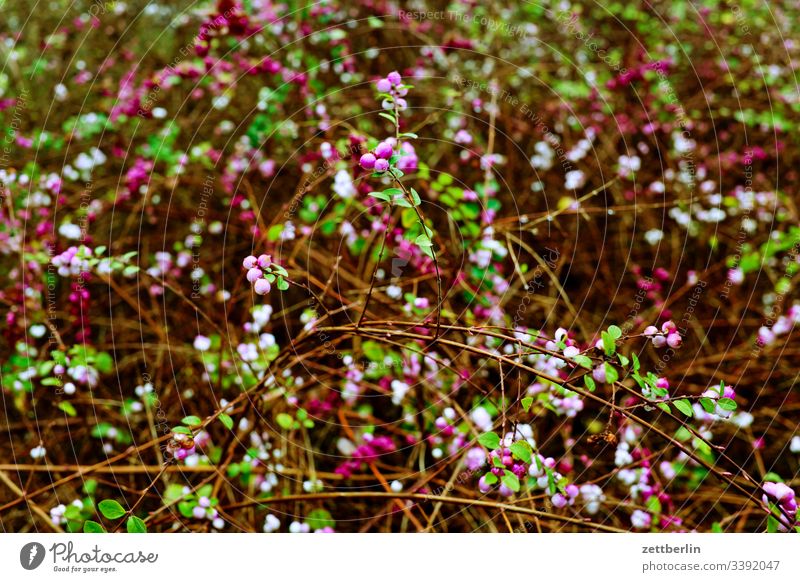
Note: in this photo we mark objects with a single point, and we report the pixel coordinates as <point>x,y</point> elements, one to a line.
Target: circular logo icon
<point>31,555</point>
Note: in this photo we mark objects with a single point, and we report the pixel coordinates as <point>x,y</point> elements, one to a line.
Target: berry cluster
<point>262,272</point>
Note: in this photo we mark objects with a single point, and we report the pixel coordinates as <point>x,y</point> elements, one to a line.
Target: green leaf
<point>726,404</point>
<point>664,406</point>
<point>522,450</point>
<point>387,116</point>
<point>615,332</point>
<point>319,518</point>
<point>511,481</point>
<point>281,284</point>
<point>489,440</point>
<point>582,360</point>
<point>608,344</point>
<point>182,430</point>
<point>284,421</point>
<point>588,381</point>
<point>490,478</point>
<point>423,241</point>
<point>654,505</point>
<point>111,509</point>
<point>92,527</point>
<point>708,405</point>
<point>226,420</point>
<point>772,524</point>
<point>526,403</point>
<point>192,421</point>
<point>136,525</point>
<point>415,197</point>
<point>611,373</point>
<point>67,408</point>
<point>684,406</point>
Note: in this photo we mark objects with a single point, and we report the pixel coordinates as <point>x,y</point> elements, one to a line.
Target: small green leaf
<point>511,481</point>
<point>526,403</point>
<point>664,406</point>
<point>708,405</point>
<point>226,420</point>
<point>611,373</point>
<point>490,478</point>
<point>281,284</point>
<point>415,197</point>
<point>489,440</point>
<point>582,360</point>
<point>589,382</point>
<point>182,430</point>
<point>192,421</point>
<point>615,332</point>
<point>654,505</point>
<point>609,346</point>
<point>522,450</point>
<point>67,408</point>
<point>319,518</point>
<point>111,509</point>
<point>684,406</point>
<point>136,525</point>
<point>284,421</point>
<point>726,404</point>
<point>92,527</point>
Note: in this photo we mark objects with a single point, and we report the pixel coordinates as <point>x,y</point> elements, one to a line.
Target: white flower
<point>343,184</point>
<point>38,452</point>
<point>70,231</point>
<point>482,419</point>
<point>654,236</point>
<point>399,390</point>
<point>574,179</point>
<point>202,343</point>
<point>271,523</point>
<point>794,445</point>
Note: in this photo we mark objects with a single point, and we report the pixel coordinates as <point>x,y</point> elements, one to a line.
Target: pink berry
<point>384,86</point>
<point>381,166</point>
<point>249,262</point>
<point>674,340</point>
<point>254,274</point>
<point>599,374</point>
<point>394,78</point>
<point>659,341</point>
<point>262,287</point>
<point>264,261</point>
<point>367,161</point>
<point>384,150</point>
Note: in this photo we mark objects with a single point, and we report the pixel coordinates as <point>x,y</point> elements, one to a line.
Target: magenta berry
<point>384,150</point>
<point>367,161</point>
